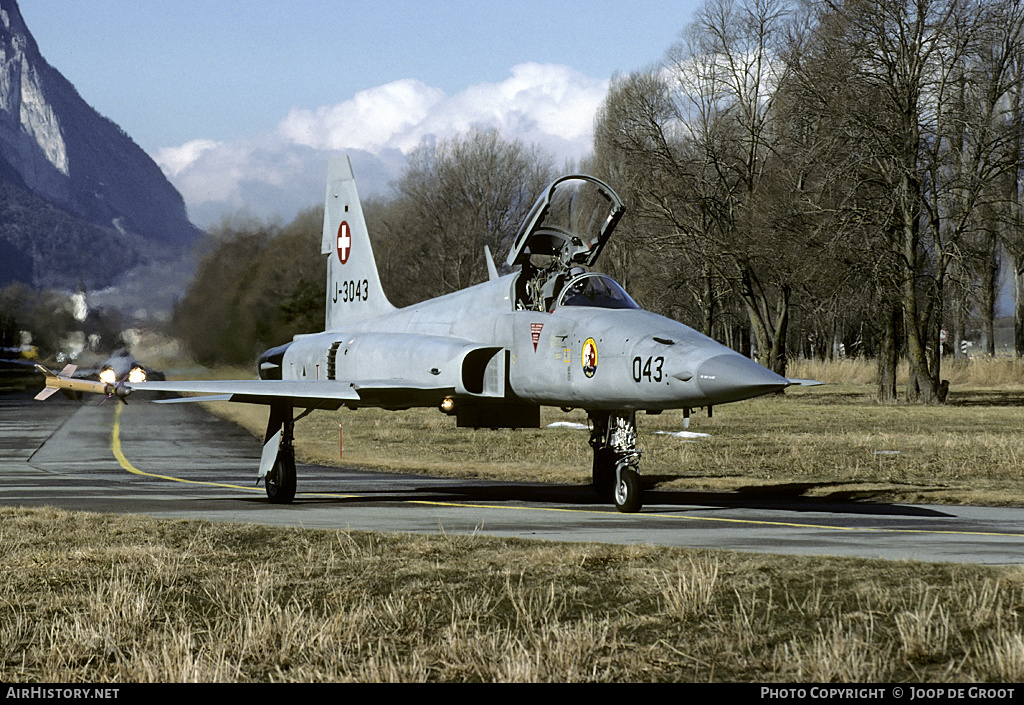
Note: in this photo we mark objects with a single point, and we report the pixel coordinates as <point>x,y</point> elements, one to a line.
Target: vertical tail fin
<point>354,291</point>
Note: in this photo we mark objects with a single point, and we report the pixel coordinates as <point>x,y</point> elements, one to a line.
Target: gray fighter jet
<point>552,332</point>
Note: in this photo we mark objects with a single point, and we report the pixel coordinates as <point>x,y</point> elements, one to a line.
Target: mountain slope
<point>73,186</point>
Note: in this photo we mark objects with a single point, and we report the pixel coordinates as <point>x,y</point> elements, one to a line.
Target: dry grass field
<point>92,598</point>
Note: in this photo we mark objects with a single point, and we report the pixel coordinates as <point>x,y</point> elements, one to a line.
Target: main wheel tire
<point>628,492</point>
<point>280,481</point>
<point>604,474</point>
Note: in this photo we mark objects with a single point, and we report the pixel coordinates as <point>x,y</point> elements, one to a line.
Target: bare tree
<point>1011,187</point>
<point>456,197</point>
<point>638,150</point>
<point>718,167</point>
<point>931,89</point>
<point>856,156</point>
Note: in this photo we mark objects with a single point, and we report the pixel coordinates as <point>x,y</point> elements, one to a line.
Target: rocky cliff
<point>80,202</point>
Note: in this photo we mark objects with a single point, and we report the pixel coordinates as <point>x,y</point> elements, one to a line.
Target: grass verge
<point>93,598</point>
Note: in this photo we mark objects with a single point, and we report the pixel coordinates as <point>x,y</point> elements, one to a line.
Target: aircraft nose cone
<point>732,377</point>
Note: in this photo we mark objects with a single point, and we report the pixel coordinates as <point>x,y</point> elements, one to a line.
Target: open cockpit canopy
<point>570,222</point>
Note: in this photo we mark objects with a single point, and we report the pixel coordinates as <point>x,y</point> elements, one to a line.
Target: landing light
<point>137,375</point>
<point>448,405</point>
<point>108,376</point>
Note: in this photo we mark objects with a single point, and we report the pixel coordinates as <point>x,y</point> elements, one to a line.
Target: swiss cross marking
<point>344,242</point>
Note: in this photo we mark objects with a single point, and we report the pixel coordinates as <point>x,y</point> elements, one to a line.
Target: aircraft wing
<point>320,394</point>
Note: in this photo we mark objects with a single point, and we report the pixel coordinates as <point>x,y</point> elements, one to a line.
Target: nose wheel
<point>628,493</point>
<point>616,473</point>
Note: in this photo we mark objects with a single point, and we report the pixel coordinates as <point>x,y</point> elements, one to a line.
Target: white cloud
<point>174,160</point>
<point>371,120</point>
<point>279,173</point>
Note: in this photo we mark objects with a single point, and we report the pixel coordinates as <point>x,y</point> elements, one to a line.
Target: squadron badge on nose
<point>589,357</point>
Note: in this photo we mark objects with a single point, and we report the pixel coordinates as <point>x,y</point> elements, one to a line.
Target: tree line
<point>800,176</point>
<point>830,172</point>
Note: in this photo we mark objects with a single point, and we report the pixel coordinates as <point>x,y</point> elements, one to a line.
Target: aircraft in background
<point>14,360</point>
<point>550,333</point>
<point>122,366</point>
<point>19,354</point>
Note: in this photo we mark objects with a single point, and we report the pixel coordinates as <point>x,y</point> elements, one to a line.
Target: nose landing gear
<point>616,471</point>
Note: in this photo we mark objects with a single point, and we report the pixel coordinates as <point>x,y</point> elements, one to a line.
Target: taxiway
<point>179,461</point>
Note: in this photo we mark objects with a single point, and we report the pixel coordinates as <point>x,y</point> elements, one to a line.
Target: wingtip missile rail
<point>63,381</point>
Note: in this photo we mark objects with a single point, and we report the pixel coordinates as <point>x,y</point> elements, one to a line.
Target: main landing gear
<point>616,459</point>
<point>280,478</point>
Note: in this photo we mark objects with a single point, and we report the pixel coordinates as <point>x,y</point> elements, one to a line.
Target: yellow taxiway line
<point>115,447</point>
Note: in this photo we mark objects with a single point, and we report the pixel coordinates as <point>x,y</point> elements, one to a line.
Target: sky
<point>241,103</point>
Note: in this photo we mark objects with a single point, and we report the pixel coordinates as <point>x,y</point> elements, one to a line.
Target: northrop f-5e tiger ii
<point>553,332</point>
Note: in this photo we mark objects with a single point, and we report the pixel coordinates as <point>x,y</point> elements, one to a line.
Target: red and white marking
<point>344,242</point>
<point>535,329</point>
